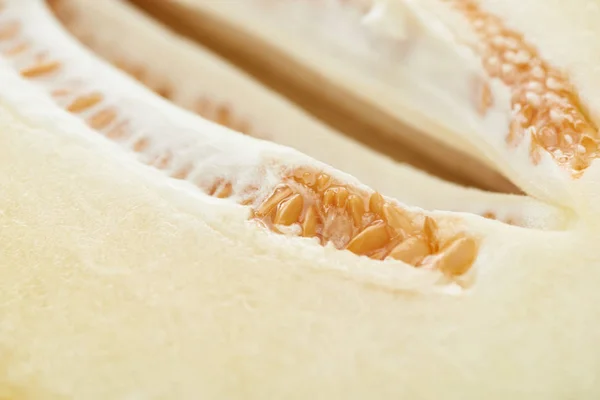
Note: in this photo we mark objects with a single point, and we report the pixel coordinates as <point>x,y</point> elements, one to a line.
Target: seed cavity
<point>364,223</point>
<point>545,104</point>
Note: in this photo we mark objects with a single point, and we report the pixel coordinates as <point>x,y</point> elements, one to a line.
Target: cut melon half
<point>150,253</point>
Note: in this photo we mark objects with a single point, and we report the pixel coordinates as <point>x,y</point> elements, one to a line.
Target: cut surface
<point>150,253</point>
<point>287,192</point>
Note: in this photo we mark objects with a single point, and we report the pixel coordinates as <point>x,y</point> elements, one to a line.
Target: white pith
<point>404,85</point>
<point>119,282</point>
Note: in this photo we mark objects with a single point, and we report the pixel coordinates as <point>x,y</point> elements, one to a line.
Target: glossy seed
<point>272,201</point>
<point>356,208</point>
<point>412,251</point>
<point>376,204</point>
<point>398,220</point>
<point>305,177</point>
<point>323,182</point>
<point>329,197</point>
<point>310,222</point>
<point>371,238</point>
<point>341,196</point>
<point>589,144</point>
<point>289,210</point>
<point>457,257</point>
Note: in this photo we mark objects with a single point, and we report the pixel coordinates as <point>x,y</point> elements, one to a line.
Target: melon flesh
<point>138,261</point>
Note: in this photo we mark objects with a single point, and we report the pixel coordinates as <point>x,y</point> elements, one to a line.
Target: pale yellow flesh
<point>115,285</point>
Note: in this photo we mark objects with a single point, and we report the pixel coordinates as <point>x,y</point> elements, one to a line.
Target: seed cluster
<point>545,106</point>
<point>310,203</point>
<point>546,109</point>
<point>364,223</point>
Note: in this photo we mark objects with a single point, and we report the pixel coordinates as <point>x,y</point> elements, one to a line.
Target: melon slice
<point>194,78</point>
<point>497,84</point>
<point>150,253</point>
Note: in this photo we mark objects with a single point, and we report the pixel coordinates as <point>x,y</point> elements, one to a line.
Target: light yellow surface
<point>117,283</point>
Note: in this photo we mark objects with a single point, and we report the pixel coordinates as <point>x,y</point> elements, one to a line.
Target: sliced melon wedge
<point>500,87</point>
<point>371,131</point>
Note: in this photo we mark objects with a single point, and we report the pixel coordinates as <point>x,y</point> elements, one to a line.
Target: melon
<point>476,75</point>
<point>148,252</point>
<point>194,78</point>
